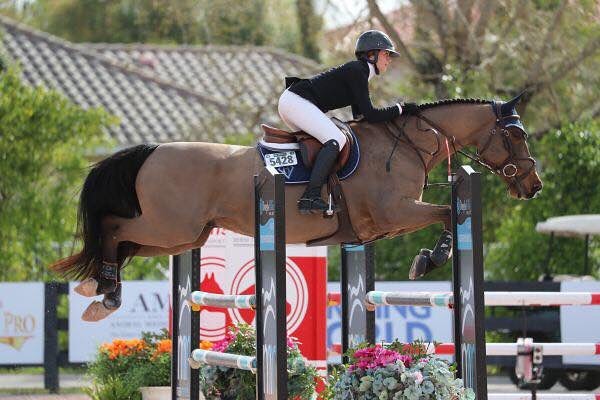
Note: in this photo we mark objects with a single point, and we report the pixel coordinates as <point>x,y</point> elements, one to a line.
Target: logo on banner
<point>16,329</point>
<point>221,277</point>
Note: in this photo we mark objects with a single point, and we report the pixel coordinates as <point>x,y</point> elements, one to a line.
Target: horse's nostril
<point>537,186</point>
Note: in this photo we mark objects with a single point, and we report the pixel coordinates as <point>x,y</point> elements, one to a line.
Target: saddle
<point>309,146</point>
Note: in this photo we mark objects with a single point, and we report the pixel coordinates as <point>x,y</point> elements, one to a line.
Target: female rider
<point>303,105</point>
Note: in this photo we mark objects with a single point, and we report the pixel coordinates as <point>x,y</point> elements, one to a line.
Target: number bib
<point>282,159</point>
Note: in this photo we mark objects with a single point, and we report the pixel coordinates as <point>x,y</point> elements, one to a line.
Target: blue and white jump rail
<point>223,300</point>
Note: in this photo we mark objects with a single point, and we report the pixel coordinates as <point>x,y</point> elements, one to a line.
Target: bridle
<point>507,168</point>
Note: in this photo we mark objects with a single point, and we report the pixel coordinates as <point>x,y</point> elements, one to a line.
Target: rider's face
<point>383,61</point>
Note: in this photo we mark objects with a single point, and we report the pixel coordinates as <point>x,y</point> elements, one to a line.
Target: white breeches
<point>300,114</point>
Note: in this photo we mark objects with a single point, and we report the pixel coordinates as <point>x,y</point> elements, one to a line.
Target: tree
<point>44,144</point>
<point>548,48</point>
<point>227,22</point>
<point>309,26</point>
<point>571,169</point>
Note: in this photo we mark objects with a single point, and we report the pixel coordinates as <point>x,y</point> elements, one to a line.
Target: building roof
<point>245,74</point>
<point>159,93</point>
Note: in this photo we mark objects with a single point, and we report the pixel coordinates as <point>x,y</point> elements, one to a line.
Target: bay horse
<point>153,200</point>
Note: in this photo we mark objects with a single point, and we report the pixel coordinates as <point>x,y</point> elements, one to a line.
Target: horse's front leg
<point>409,215</point>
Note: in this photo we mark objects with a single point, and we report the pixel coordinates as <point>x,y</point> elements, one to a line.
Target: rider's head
<point>376,48</point>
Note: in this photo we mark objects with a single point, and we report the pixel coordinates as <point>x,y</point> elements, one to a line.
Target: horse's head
<point>505,151</point>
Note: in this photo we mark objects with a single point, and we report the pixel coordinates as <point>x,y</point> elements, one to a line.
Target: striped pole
<point>508,349</point>
<point>445,299</point>
<point>223,300</point>
<point>544,396</point>
<point>219,359</point>
<point>427,299</point>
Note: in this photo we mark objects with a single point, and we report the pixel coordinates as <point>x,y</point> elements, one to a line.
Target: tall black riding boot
<point>311,201</point>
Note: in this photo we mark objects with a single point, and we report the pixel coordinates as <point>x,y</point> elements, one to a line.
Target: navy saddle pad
<point>299,173</point>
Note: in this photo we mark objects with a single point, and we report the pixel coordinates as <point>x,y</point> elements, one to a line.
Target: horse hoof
<point>112,301</point>
<point>96,311</point>
<point>420,265</point>
<point>87,288</point>
<point>442,250</point>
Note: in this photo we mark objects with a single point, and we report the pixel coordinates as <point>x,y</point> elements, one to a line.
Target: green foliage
<point>113,388</point>
<point>123,366</point>
<point>235,384</point>
<point>44,144</point>
<point>570,167</point>
<point>309,25</point>
<point>228,22</point>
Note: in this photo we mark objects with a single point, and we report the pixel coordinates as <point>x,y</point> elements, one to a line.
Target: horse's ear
<point>511,105</point>
<point>514,101</point>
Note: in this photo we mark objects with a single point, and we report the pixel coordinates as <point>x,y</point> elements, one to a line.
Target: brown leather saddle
<point>309,146</point>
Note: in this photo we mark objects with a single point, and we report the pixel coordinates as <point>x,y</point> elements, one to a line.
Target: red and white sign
<point>227,267</point>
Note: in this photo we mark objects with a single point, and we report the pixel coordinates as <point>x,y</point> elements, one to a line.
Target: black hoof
<point>442,250</point>
<point>112,301</point>
<point>421,265</point>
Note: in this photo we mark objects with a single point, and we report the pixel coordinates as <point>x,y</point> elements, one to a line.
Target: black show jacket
<point>341,86</point>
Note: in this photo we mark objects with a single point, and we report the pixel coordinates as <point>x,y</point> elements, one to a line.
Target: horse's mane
<point>452,101</point>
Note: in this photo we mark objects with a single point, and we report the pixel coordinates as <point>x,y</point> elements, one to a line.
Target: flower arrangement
<point>123,366</point>
<point>234,384</point>
<point>395,372</point>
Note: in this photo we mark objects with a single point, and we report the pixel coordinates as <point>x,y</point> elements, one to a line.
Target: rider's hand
<point>410,108</point>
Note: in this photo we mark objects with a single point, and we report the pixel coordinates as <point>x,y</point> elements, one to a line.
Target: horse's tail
<point>109,189</point>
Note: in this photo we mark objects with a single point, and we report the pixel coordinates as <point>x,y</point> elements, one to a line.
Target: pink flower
<point>377,356</point>
<point>222,344</point>
<point>292,342</point>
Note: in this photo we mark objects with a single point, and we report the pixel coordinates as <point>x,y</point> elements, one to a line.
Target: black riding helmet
<point>374,40</point>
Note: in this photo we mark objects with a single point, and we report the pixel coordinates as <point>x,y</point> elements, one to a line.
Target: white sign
<point>580,324</point>
<point>145,308</point>
<point>22,323</point>
<point>405,323</point>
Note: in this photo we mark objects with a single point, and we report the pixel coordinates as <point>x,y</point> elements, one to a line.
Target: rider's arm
<point>362,102</point>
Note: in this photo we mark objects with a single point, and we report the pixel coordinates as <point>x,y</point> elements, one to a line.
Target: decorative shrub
<point>396,372</point>
<point>123,366</point>
<point>234,384</point>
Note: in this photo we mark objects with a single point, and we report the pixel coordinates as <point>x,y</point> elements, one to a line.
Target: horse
<point>154,200</point>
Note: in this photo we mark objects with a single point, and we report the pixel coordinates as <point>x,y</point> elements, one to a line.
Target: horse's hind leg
<point>140,230</point>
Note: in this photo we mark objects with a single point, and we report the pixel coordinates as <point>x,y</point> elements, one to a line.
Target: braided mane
<point>452,101</point>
